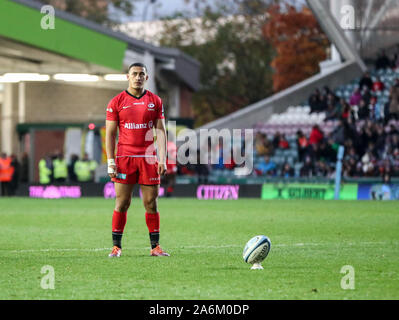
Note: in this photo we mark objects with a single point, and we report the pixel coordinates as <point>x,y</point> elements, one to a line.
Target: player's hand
<point>161,168</point>
<point>111,168</point>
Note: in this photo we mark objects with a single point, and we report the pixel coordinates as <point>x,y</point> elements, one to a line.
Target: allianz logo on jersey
<point>132,125</point>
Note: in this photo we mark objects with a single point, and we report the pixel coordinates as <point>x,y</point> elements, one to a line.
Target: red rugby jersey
<point>136,117</point>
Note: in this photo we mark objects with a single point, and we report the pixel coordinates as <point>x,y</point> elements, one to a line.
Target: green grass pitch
<point>311,242</point>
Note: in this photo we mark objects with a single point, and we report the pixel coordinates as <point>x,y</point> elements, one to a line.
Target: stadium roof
<point>79,40</point>
<point>376,23</point>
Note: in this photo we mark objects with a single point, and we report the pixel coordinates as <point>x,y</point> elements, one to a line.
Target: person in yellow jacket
<point>45,170</point>
<point>84,169</point>
<point>60,168</point>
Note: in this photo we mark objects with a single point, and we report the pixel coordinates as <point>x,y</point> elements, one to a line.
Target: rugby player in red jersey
<point>135,112</point>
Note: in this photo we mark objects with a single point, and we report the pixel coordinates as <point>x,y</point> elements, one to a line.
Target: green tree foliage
<point>235,58</point>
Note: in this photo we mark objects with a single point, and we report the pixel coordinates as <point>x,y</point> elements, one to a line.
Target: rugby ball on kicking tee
<point>256,249</point>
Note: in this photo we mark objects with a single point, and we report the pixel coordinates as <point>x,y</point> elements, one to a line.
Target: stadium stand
<point>303,140</point>
<point>371,135</point>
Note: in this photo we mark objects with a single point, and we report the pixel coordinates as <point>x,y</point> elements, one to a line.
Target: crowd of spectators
<point>371,150</point>
<point>363,104</point>
<point>365,128</point>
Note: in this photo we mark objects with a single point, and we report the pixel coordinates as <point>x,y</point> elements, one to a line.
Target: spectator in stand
<point>266,168</point>
<point>386,113</point>
<point>378,85</point>
<point>332,143</point>
<point>363,110</point>
<point>366,94</point>
<point>308,169</point>
<point>394,101</point>
<point>367,135</point>
<point>276,140</point>
<point>359,169</point>
<point>333,99</point>
<point>382,140</point>
<point>287,171</point>
<point>283,143</point>
<point>322,169</point>
<point>366,81</point>
<point>316,135</point>
<point>322,103</point>
<point>326,152</point>
<point>318,100</point>
<point>314,100</point>
<point>302,145</point>
<point>368,161</point>
<point>339,133</point>
<point>351,154</point>
<point>314,152</point>
<point>355,97</point>
<point>263,146</point>
<point>331,112</point>
<point>347,111</point>
<point>352,168</point>
<point>376,110</point>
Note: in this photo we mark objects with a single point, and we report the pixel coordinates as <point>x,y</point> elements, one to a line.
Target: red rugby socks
<point>152,220</point>
<point>118,225</point>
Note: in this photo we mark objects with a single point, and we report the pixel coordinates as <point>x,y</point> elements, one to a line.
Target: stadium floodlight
<point>18,77</point>
<point>115,77</point>
<point>76,77</point>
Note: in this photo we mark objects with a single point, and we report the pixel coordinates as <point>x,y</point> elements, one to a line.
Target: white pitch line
<point>300,244</point>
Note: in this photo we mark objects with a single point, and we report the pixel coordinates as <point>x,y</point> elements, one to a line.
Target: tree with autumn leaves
<point>235,58</point>
<point>299,43</point>
<point>245,61</point>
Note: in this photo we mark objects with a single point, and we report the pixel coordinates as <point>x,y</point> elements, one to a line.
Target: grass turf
<point>311,242</point>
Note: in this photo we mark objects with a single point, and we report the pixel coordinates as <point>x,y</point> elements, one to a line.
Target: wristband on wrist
<point>111,162</point>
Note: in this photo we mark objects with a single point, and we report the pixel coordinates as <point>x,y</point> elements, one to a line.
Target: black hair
<point>137,64</point>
